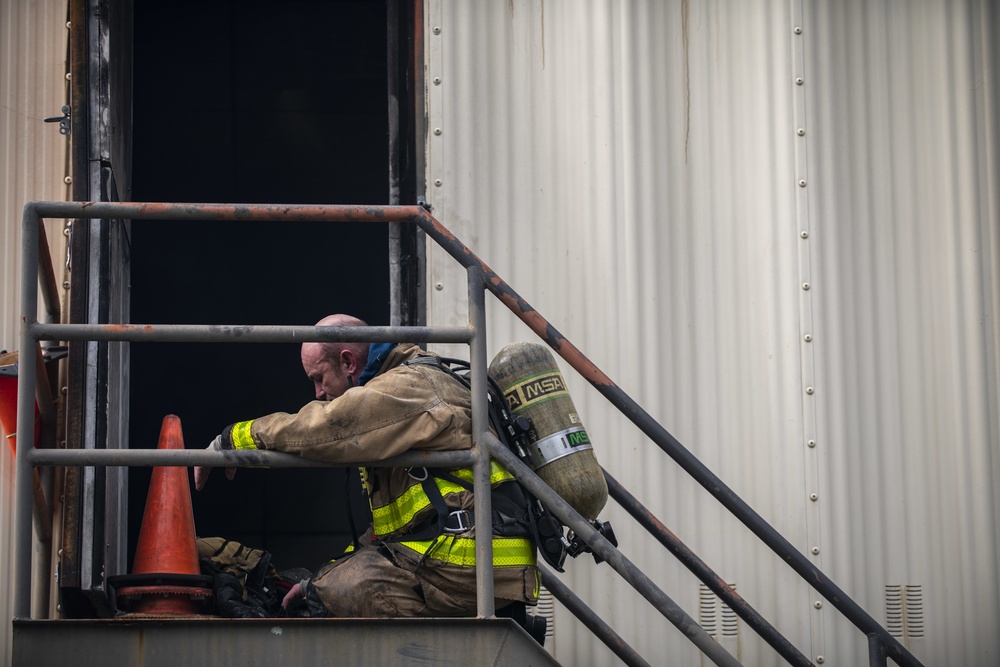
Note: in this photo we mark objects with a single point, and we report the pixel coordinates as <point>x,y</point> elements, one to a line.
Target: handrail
<point>238,333</point>
<point>480,278</point>
<point>231,458</point>
<point>33,246</point>
<point>608,552</point>
<point>879,637</point>
<point>707,576</point>
<point>594,623</point>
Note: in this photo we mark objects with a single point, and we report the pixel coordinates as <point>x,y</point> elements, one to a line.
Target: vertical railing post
<point>876,651</point>
<point>480,425</point>
<point>28,365</point>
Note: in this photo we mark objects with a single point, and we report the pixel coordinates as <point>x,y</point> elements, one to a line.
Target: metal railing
<point>881,644</point>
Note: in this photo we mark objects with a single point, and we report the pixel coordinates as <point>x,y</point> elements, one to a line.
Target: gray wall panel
<point>32,167</point>
<point>906,261</point>
<point>633,169</point>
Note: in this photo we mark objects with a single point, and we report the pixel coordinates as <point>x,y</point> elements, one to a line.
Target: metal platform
<point>301,642</point>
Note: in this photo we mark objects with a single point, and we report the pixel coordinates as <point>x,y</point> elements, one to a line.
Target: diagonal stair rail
<point>481,279</point>
<point>881,644</point>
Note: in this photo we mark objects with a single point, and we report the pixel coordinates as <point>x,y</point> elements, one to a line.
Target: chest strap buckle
<point>459,521</point>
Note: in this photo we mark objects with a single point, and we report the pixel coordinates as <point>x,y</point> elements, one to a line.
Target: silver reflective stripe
<point>555,446</point>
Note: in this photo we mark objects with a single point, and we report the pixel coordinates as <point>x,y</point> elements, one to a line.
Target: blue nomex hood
<point>377,354</point>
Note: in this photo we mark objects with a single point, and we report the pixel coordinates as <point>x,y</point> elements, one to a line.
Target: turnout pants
<point>388,580</point>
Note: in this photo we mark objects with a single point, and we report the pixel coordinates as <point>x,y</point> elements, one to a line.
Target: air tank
<point>559,449</point>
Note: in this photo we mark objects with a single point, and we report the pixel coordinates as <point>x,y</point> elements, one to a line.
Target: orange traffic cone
<point>166,578</point>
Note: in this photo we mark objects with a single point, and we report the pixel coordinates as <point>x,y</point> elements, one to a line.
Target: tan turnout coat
<point>399,409</point>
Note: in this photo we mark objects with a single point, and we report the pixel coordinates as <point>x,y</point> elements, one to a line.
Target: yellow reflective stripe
<point>389,518</point>
<point>241,436</point>
<point>497,474</point>
<point>348,550</point>
<point>397,514</point>
<point>507,551</point>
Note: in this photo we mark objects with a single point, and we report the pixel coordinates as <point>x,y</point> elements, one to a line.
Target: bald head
<point>334,367</point>
<point>341,320</point>
<point>332,349</point>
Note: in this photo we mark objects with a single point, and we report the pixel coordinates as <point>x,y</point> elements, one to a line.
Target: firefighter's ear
<point>348,362</point>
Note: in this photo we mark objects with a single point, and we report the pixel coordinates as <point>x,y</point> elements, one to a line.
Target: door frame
<point>97,412</point>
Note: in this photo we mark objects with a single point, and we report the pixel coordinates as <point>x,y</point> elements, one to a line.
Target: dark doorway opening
<point>258,102</point>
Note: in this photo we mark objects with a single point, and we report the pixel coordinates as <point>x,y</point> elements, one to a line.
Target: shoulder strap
<point>441,509</point>
<point>543,526</point>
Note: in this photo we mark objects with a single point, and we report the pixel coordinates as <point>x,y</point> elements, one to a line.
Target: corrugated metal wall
<point>773,223</point>
<point>33,39</point>
<point>903,203</point>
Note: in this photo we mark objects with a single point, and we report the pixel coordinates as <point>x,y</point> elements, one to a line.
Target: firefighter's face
<point>331,376</point>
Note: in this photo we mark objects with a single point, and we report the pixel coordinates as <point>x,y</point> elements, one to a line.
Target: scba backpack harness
<point>516,512</point>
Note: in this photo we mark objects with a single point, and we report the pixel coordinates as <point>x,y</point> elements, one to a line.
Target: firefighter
<point>418,556</point>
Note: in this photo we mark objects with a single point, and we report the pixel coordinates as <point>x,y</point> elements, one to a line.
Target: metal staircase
<point>497,641</point>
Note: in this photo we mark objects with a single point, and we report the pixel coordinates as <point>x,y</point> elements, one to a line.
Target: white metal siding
<point>903,188</point>
<point>33,40</point>
<point>636,171</point>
